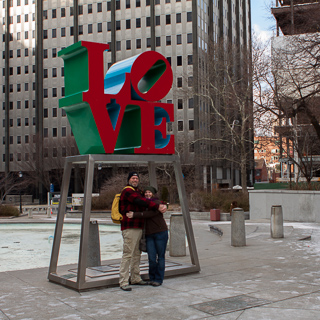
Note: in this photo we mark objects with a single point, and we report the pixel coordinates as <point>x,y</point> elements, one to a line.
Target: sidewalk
<point>267,279</point>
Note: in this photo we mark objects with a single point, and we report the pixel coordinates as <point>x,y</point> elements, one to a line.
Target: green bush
<point>8,211</point>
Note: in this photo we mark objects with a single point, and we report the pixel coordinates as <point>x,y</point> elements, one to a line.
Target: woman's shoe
<point>155,283</point>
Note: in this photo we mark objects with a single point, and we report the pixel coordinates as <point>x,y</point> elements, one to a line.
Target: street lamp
<point>20,176</point>
<point>234,122</point>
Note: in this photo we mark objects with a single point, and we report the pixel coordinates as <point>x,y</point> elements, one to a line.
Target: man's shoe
<point>141,283</point>
<point>126,288</point>
<point>155,284</point>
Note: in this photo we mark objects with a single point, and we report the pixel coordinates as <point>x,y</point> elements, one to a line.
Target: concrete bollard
<point>93,257</point>
<point>238,229</point>
<point>276,223</point>
<point>30,216</point>
<point>48,212</point>
<point>177,244</point>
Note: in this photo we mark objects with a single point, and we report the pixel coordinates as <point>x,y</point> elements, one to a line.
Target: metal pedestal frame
<point>81,281</point>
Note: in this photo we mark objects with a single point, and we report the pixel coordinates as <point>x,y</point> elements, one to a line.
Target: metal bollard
<point>238,229</point>
<point>93,257</point>
<point>177,243</point>
<point>276,223</point>
<point>30,216</point>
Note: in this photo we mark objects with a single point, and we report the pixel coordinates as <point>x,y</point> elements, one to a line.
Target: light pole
<point>20,176</point>
<point>234,122</point>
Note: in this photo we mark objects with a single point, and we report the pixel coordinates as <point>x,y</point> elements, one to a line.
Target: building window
<point>179,60</point>
<point>54,13</point>
<point>118,5</point>
<point>45,112</point>
<point>45,152</point>
<point>45,53</point>
<point>63,32</point>
<point>54,92</point>
<point>99,8</point>
<point>127,4</point>
<point>138,43</point>
<point>54,52</point>
<point>189,16</point>
<point>71,31</point>
<point>179,82</point>
<point>190,59</point>
<point>18,104</point>
<point>180,125</point>
<point>138,4</point>
<point>18,139</point>
<point>80,9</point>
<point>179,39</point>
<point>54,132</point>
<point>118,45</point>
<point>54,72</point>
<point>63,131</point>
<point>63,12</point>
<point>128,44</point>
<point>191,125</point>
<point>148,22</point>
<point>138,23</point>
<point>54,33</point>
<point>18,87</point>
<point>109,26</point>
<point>26,122</point>
<point>45,93</point>
<point>18,53</point>
<point>128,24</point>
<point>190,103</point>
<point>54,152</point>
<point>190,81</point>
<point>118,25</point>
<point>100,27</point>
<point>26,18</point>
<point>148,42</point>
<point>45,34</point>
<point>26,35</point>
<point>168,40</point>
<point>45,73</point>
<point>168,18</point>
<point>81,29</point>
<point>45,14</point>
<point>158,41</point>
<point>169,60</point>
<point>18,122</point>
<point>189,38</point>
<point>26,138</point>
<point>90,8</point>
<point>89,28</point>
<point>180,104</point>
<point>157,20</point>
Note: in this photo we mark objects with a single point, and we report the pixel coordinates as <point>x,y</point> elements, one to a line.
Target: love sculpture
<point>116,118</point>
<point>120,112</point>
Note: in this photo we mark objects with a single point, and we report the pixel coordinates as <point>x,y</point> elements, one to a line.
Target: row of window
<point>180,125</point>
<point>45,154</point>
<point>26,53</point>
<point>26,71</point>
<point>54,91</point>
<point>45,134</point>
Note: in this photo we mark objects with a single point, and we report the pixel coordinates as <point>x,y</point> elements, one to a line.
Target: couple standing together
<point>141,211</point>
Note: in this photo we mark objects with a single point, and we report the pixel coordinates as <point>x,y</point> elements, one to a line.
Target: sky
<point>262,20</point>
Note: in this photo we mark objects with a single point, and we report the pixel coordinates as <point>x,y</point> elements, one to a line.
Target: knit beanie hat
<point>150,188</point>
<point>131,174</point>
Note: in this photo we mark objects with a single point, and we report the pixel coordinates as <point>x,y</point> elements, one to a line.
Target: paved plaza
<point>266,279</point>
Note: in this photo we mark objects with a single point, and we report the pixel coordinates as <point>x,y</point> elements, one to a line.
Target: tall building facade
<point>36,131</point>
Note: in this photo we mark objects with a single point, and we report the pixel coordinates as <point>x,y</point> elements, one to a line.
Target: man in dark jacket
<point>131,199</point>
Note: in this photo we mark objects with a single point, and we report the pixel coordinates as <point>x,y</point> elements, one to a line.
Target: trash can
<point>215,214</point>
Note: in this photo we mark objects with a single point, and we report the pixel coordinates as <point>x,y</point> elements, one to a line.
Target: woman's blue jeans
<point>156,248</point>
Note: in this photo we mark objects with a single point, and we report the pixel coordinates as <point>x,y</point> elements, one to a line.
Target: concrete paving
<point>266,279</point>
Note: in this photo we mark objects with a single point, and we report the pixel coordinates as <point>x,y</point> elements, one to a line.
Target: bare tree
<point>286,88</point>
<point>229,94</point>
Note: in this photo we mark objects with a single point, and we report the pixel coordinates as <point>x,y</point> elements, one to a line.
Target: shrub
<point>200,200</point>
<point>8,211</point>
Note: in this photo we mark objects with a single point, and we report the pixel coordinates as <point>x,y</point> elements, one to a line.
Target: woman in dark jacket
<point>157,237</point>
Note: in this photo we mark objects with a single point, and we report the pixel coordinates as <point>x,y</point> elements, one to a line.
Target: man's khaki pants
<point>130,257</point>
